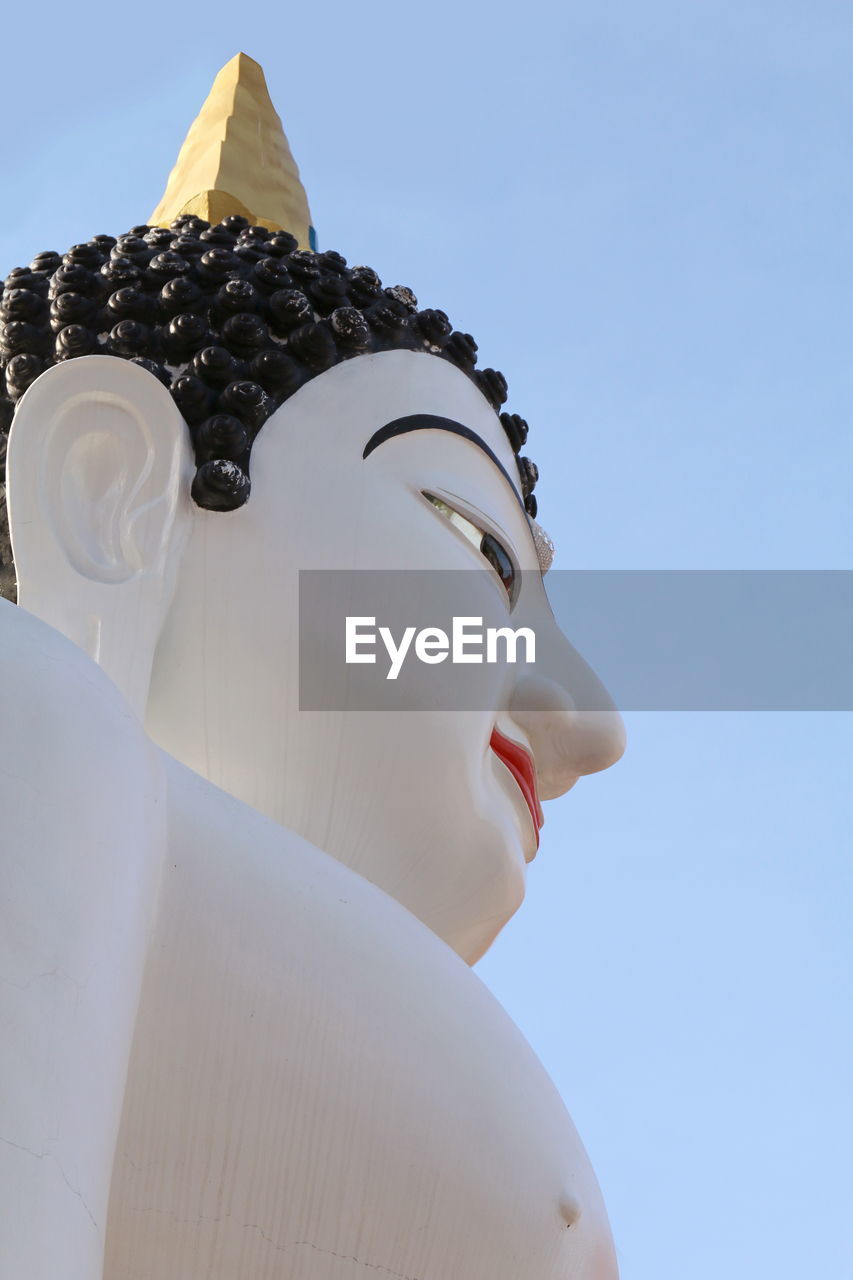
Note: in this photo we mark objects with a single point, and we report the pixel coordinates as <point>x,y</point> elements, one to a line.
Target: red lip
<point>520,764</point>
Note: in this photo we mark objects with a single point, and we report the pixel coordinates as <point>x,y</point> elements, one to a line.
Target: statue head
<point>204,409</point>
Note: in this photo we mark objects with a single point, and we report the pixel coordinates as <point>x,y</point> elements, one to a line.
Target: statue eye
<point>486,543</point>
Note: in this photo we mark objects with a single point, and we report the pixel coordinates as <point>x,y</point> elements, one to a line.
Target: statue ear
<point>98,478</point>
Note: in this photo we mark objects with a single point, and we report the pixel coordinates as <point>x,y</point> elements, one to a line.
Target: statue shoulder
<point>64,725</point>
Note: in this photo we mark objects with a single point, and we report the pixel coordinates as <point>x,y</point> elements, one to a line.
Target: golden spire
<point>235,159</point>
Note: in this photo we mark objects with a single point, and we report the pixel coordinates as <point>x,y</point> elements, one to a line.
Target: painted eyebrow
<point>431,422</point>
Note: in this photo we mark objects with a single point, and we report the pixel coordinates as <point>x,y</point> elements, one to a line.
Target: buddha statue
<point>242,1038</point>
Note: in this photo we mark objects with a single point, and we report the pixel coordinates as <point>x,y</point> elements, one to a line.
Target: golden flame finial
<point>235,159</point>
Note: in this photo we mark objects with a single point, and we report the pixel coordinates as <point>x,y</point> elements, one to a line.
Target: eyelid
<point>477,536</point>
<point>479,519</point>
<point>466,527</point>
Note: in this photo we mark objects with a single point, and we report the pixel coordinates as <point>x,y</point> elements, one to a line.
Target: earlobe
<point>98,477</point>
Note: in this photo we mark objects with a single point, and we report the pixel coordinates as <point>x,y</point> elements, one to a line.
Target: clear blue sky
<point>642,212</point>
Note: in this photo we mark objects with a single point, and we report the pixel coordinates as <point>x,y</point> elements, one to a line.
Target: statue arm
<point>81,843</point>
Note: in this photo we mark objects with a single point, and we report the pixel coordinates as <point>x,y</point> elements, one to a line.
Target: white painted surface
<point>83,834</point>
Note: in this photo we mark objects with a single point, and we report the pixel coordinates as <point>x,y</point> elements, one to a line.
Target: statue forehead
<point>337,413</point>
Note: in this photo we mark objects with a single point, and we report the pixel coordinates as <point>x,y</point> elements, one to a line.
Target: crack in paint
<point>41,1155</point>
<point>281,1248</point>
<point>348,1257</point>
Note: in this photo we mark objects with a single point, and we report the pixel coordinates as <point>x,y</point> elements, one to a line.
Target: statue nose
<point>569,736</point>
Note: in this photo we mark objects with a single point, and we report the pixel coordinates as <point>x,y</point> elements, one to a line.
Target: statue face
<point>419,800</point>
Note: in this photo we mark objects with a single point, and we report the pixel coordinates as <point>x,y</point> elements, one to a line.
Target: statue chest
<point>319,1086</point>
